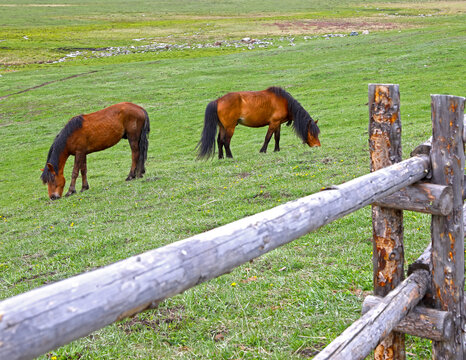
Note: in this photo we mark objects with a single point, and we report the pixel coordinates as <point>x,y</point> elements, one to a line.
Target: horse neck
<point>62,161</point>
<point>59,153</point>
<point>58,160</point>
<point>301,118</point>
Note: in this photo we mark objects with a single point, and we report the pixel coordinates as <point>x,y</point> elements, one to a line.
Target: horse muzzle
<point>55,197</point>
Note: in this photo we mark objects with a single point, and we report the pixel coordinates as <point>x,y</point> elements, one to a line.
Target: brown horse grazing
<point>271,107</point>
<point>97,131</point>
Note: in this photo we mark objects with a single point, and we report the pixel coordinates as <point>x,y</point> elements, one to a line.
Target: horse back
<point>104,128</point>
<point>252,108</point>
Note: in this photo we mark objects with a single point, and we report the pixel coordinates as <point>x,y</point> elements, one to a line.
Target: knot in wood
<point>394,255</point>
<point>448,273</point>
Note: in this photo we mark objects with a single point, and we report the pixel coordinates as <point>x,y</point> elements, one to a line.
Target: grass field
<point>59,59</point>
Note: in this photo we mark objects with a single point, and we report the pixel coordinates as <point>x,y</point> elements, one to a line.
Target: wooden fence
<point>43,319</point>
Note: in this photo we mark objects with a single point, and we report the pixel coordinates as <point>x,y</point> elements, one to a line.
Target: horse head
<point>313,133</point>
<point>55,182</point>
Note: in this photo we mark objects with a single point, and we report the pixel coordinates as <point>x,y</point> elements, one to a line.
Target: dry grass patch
<point>36,5</point>
<point>437,7</point>
<point>301,27</point>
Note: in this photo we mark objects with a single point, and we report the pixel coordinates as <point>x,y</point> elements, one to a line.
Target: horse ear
<point>51,169</point>
<point>316,121</point>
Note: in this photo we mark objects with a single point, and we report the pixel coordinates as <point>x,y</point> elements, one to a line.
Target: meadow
<point>59,59</point>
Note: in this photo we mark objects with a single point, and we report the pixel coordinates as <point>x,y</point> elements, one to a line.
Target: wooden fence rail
<point>43,319</point>
<point>46,318</point>
<point>441,265</point>
<point>358,340</point>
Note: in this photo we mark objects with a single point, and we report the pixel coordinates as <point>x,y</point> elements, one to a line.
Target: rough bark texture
<point>447,156</point>
<point>422,197</point>
<point>423,262</point>
<point>387,224</point>
<point>424,148</point>
<point>420,321</point>
<point>45,318</point>
<point>357,341</point>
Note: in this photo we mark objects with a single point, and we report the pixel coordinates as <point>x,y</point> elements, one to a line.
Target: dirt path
<point>47,83</point>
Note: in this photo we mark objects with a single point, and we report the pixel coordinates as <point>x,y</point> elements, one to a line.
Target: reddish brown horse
<point>271,107</point>
<point>97,131</point>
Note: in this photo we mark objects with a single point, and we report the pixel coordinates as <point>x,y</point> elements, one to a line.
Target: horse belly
<point>106,137</point>
<point>259,110</point>
<point>253,121</point>
<point>96,138</point>
<point>258,116</point>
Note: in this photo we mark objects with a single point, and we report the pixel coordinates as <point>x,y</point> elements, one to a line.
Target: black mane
<point>302,121</point>
<point>59,145</point>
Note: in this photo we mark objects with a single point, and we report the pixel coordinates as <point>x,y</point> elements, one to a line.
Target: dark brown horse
<point>271,107</point>
<point>97,131</point>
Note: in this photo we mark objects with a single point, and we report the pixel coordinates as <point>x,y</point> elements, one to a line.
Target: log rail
<point>43,319</point>
<point>48,317</point>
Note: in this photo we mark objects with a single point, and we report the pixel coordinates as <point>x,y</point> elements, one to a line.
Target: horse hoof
<point>84,188</point>
<point>129,178</point>
<point>70,193</point>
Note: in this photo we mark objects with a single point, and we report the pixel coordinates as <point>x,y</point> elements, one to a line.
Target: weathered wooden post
<point>387,223</point>
<point>447,156</point>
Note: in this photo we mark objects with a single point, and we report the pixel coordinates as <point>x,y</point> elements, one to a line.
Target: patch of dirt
<point>33,277</point>
<point>440,7</point>
<point>136,325</point>
<point>81,49</point>
<point>327,160</point>
<point>164,316</point>
<point>219,333</point>
<point>244,175</point>
<point>47,83</point>
<point>310,352</point>
<point>330,26</point>
<point>32,256</point>
<point>36,5</point>
<point>265,195</point>
<point>153,178</point>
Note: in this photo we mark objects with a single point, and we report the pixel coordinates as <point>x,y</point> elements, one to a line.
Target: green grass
<point>285,305</point>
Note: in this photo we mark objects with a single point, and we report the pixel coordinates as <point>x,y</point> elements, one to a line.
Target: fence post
<point>447,232</point>
<point>387,224</point>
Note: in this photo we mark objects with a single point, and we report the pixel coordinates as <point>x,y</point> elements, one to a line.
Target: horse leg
<point>228,136</point>
<point>134,145</point>
<point>84,174</point>
<point>277,139</point>
<point>268,136</point>
<point>220,141</point>
<point>74,174</point>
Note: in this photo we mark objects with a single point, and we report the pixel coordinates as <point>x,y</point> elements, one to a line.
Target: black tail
<point>206,146</point>
<point>143,146</point>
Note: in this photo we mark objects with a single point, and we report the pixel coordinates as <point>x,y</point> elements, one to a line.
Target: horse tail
<point>143,145</point>
<point>206,146</point>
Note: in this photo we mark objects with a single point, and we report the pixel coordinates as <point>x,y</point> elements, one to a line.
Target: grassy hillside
<point>285,305</point>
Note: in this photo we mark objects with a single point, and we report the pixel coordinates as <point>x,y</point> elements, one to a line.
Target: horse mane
<point>59,145</point>
<point>302,121</point>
